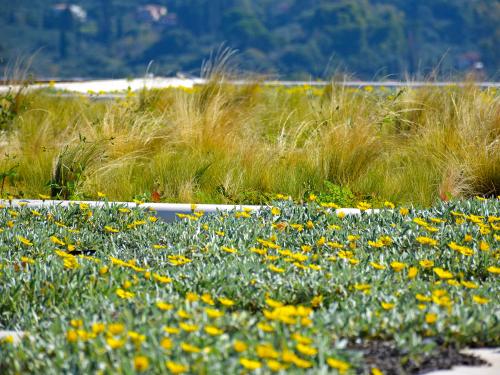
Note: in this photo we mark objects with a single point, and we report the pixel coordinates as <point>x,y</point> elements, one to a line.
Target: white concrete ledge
<point>93,87</point>
<point>15,336</point>
<point>165,211</point>
<point>490,355</point>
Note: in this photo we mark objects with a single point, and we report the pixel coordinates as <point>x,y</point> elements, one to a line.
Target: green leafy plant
<point>10,173</point>
<point>340,195</point>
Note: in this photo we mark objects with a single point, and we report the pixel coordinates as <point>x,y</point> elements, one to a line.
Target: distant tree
<point>65,24</point>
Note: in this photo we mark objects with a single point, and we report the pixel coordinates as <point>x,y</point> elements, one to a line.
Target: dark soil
<point>391,360</point>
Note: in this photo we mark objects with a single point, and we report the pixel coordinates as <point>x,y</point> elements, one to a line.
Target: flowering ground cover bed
<point>293,288</point>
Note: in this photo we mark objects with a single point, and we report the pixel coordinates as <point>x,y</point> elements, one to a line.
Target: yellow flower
<point>493,269</point>
<point>166,343</point>
<point>312,197</point>
<point>176,368</point>
<point>242,214</point>
<point>275,365</point>
<point>443,274</point>
<point>76,323</point>
<point>162,279</point>
<point>172,330</point>
<point>397,266</point>
<point>188,348</point>
<point>412,272</point>
<point>306,349</point>
<point>427,241</point>
<point>316,301</point>
<point>141,363</point>
<point>363,206</point>
<point>469,284</point>
<point>9,339</point>
<point>126,284</point>
<point>214,313</point>
<point>377,266</point>
<point>306,248</point>
<point>302,363</point>
<point>335,245</point>
<point>389,205</point>
<point>229,250</point>
<point>404,211</point>
<point>188,327</point>
<point>24,241</point>
<point>337,364</point>
<point>265,327</point>
<point>363,287</point>
<point>70,262</point>
<point>250,364</point>
<point>273,303</point>
<point>266,351</point>
<point>422,298</point>
<point>115,343</point>
<point>183,314</point>
<point>136,337</point>
<point>387,305</point>
<point>425,263</point>
<point>275,211</point>
<point>386,240</point>
<point>440,298</point>
<point>164,306</point>
<point>110,229</point>
<point>430,318</point>
<point>240,346</point>
<point>57,241</point>
<point>276,269</point>
<point>207,299</point>
<point>302,339</point>
<point>464,250</point>
<point>192,297</point>
<point>71,336</point>
<point>484,246</point>
<point>376,371</point>
<point>116,328</point>
<point>480,300</point>
<point>98,328</point>
<point>321,241</point>
<point>124,294</point>
<point>27,260</point>
<point>213,331</point>
<point>101,194</point>
<point>376,244</point>
<point>226,301</point>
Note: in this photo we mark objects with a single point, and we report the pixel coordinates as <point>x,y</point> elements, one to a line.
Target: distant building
<point>151,13</point>
<point>470,61</point>
<point>76,11</point>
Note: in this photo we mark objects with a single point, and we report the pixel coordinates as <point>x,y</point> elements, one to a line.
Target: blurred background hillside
<point>292,39</point>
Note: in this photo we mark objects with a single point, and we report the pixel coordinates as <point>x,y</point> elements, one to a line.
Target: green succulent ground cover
<point>293,288</point>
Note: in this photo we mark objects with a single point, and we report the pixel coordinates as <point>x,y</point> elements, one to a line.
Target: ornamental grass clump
<point>222,142</point>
